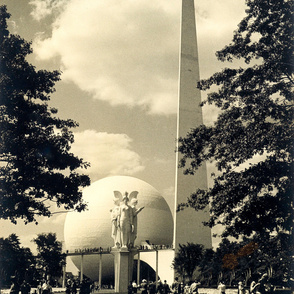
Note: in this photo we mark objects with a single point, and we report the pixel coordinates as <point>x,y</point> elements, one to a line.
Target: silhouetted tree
<point>187,259</point>
<point>50,257</point>
<point>15,261</point>
<point>207,268</point>
<point>35,145</point>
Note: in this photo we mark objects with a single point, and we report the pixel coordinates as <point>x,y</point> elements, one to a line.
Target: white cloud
<point>216,22</point>
<point>126,52</point>
<point>44,8</point>
<point>13,26</point>
<point>108,154</point>
<point>123,53</point>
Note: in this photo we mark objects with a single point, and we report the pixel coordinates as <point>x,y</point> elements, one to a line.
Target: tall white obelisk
<point>188,225</point>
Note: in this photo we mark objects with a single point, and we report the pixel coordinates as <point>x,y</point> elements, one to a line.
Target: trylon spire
<point>188,225</point>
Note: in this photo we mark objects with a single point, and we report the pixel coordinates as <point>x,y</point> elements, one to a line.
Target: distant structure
<point>188,225</point>
<point>92,228</point>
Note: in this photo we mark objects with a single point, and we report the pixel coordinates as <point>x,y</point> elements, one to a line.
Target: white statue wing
<point>133,195</point>
<point>117,195</point>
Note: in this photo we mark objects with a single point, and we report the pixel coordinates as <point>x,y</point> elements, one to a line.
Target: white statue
<point>124,219</point>
<point>126,222</point>
<point>115,229</point>
<point>136,210</point>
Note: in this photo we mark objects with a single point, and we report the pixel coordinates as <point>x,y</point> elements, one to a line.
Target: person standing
<point>221,287</point>
<point>135,287</point>
<point>187,289</point>
<point>159,286</point>
<point>176,286</point>
<point>152,287</point>
<point>144,286</point>
<point>241,288</point>
<point>68,286</point>
<point>74,287</point>
<point>194,287</point>
<point>165,288</point>
<point>45,287</point>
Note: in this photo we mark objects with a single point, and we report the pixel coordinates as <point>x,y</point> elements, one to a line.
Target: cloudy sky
<point>119,63</point>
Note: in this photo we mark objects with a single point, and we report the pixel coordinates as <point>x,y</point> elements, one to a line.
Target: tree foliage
<point>247,260</point>
<point>187,259</point>
<point>251,141</point>
<point>37,167</point>
<point>50,258</point>
<point>208,268</point>
<point>15,261</point>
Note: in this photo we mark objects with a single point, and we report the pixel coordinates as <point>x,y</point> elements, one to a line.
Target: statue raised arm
<point>136,210</point>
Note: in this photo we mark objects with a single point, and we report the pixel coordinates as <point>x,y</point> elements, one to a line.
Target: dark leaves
<point>37,166</point>
<point>251,142</point>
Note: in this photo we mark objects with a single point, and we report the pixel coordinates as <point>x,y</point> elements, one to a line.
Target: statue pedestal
<point>123,268</point>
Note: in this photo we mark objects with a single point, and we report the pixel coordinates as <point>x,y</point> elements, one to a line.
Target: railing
<point>100,250</point>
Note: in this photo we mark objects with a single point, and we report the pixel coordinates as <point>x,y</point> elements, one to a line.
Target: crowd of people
<point>16,287</point>
<point>43,287</point>
<point>260,286</point>
<point>85,287</point>
<point>163,288</point>
<point>72,287</point>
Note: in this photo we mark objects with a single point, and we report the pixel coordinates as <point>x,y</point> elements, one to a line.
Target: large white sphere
<point>92,228</point>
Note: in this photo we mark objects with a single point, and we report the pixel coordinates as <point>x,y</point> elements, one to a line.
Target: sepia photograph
<point>146,147</point>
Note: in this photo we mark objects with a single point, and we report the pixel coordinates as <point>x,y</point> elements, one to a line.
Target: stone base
<point>123,268</point>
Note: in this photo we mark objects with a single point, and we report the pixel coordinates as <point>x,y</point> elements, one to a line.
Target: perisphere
<point>91,230</point>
